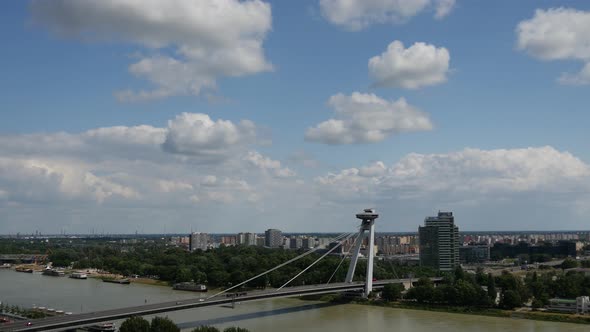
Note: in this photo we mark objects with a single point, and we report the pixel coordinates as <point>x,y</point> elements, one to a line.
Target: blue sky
<point>500,131</point>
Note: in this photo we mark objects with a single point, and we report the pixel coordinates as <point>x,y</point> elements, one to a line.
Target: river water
<point>283,315</point>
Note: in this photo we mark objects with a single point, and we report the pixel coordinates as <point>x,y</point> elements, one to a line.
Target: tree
<point>459,273</point>
<point>569,263</point>
<point>423,292</point>
<point>392,292</point>
<point>205,328</point>
<point>135,324</point>
<point>163,324</point>
<point>492,293</point>
<point>510,300</point>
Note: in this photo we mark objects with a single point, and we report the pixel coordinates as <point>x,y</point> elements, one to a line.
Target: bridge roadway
<point>83,319</point>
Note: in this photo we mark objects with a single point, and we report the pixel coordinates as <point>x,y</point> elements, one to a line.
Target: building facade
<point>273,238</point>
<point>439,242</point>
<point>248,239</point>
<point>198,241</point>
<point>474,254</point>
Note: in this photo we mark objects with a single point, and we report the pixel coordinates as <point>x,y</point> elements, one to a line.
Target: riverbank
<point>490,312</point>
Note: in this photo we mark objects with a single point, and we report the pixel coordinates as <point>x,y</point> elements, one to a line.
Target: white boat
<point>78,275</point>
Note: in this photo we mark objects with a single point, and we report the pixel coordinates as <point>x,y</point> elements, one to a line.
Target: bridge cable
<point>338,267</point>
<point>317,260</point>
<point>278,266</point>
<point>342,261</point>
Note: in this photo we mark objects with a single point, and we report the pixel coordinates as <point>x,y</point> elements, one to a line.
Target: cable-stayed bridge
<point>366,230</point>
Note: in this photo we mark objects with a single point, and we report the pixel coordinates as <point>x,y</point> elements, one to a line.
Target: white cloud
<point>208,38</point>
<point>416,66</point>
<point>359,14</point>
<point>466,175</point>
<point>171,186</point>
<point>141,165</point>
<point>196,134</point>
<point>265,163</point>
<point>41,180</point>
<point>558,34</point>
<point>122,135</point>
<point>443,8</point>
<point>376,169</point>
<point>366,118</point>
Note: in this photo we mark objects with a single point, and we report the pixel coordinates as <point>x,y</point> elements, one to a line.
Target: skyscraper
<point>273,238</point>
<point>439,242</point>
<point>198,241</point>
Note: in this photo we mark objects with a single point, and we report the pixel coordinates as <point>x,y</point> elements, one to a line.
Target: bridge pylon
<point>367,229</point>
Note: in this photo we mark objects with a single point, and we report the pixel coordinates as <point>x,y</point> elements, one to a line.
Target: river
<point>283,315</point>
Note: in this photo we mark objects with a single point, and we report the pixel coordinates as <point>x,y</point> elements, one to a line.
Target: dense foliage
<point>135,324</point>
<point>140,324</point>
<point>219,267</point>
<point>163,324</point>
<point>463,289</point>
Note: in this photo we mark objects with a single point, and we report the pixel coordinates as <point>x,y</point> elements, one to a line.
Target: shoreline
<point>489,312</point>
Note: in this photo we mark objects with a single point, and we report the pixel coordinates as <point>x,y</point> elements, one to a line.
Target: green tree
<point>205,328</point>
<point>423,292</point>
<point>392,292</point>
<point>459,273</point>
<point>163,324</point>
<point>510,300</point>
<point>135,324</point>
<point>492,293</point>
<point>569,263</point>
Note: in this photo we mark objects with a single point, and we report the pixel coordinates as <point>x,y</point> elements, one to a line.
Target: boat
<point>78,275</point>
<point>105,327</point>
<point>190,286</point>
<point>117,281</point>
<point>5,266</point>
<point>24,269</point>
<point>53,273</point>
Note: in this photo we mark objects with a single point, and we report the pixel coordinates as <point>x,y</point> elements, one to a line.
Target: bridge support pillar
<point>367,230</point>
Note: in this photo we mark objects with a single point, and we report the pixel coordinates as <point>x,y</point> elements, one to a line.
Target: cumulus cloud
<point>359,14</point>
<point>196,134</point>
<point>42,180</point>
<point>139,166</point>
<point>416,66</point>
<point>467,174</point>
<point>209,39</point>
<point>265,163</point>
<point>366,118</point>
<point>558,34</point>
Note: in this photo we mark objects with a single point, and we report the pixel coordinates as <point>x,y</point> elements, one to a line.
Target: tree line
<point>480,290</point>
<point>165,324</point>
<point>219,267</point>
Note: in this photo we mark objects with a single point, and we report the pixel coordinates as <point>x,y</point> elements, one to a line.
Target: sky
<point>119,116</point>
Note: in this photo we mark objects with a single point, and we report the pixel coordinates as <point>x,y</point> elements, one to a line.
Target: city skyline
<point>293,115</point>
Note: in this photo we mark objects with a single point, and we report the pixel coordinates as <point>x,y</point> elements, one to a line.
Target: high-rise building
<point>248,239</point>
<point>198,241</point>
<point>439,242</point>
<point>273,238</point>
